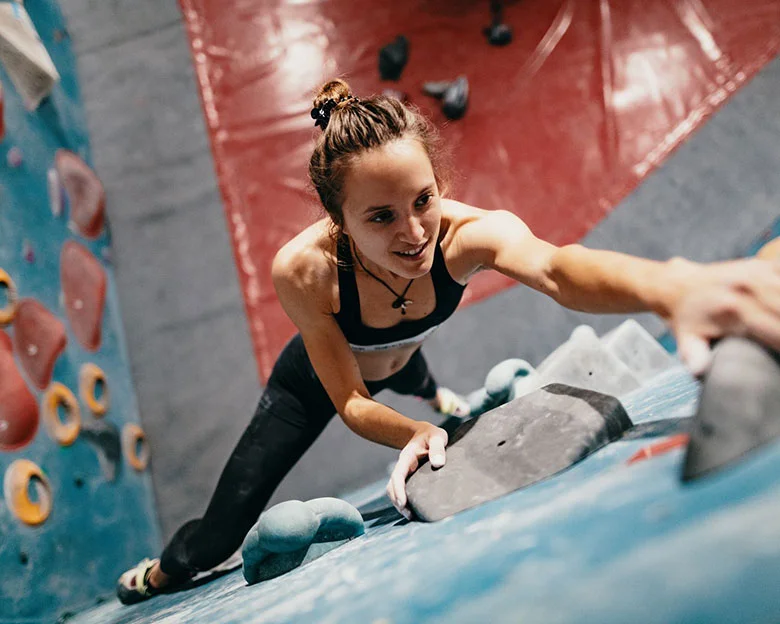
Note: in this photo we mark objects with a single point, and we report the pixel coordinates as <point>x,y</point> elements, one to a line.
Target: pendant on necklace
<point>402,303</point>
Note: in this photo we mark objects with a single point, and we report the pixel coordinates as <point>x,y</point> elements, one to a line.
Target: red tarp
<point>563,123</point>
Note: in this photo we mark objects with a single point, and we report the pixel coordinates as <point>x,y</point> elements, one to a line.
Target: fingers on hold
<point>764,326</point>
<point>436,452</point>
<point>695,353</point>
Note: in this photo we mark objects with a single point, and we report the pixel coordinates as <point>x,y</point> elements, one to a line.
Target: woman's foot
<point>141,582</point>
<point>449,403</point>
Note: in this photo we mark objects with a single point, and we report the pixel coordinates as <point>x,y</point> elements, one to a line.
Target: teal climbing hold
<point>294,533</point>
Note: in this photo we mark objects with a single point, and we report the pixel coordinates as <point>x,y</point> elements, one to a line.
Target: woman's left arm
<point>700,302</point>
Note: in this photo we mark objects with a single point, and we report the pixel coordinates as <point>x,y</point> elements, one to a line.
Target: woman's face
<point>392,208</point>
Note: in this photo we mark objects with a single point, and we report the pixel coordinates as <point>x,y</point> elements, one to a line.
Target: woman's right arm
<point>303,280</point>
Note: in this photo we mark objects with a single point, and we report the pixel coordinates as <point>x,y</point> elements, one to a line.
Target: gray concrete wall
<point>187,334</point>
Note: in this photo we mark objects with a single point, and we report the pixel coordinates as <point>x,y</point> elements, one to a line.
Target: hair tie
<point>321,114</point>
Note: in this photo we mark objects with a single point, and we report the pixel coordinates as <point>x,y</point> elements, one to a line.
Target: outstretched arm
<point>700,302</point>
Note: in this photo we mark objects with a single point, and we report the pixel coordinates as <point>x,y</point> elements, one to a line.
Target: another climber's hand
<point>429,442</point>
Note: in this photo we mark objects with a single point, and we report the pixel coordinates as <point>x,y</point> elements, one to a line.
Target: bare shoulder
<point>471,237</point>
<point>461,221</point>
<point>304,269</point>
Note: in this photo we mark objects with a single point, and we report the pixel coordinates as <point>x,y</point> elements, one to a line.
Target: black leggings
<point>292,412</point>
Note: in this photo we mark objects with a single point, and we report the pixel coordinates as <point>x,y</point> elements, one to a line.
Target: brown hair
<point>352,126</point>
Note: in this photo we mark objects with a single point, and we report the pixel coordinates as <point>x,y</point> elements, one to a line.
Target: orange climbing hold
<point>8,287</point>
<point>659,448</point>
<point>84,285</point>
<point>39,338</point>
<point>63,432</point>
<point>16,489</point>
<point>133,437</point>
<point>85,193</point>
<point>18,407</point>
<point>91,377</point>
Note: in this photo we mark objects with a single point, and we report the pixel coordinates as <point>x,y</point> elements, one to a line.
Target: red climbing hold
<point>84,286</point>
<point>84,191</point>
<point>39,338</point>
<point>659,448</point>
<point>18,407</point>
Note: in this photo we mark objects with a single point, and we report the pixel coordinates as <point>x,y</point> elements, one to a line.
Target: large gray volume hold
<point>515,445</point>
<point>739,410</point>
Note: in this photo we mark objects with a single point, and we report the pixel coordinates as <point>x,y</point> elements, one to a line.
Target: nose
<point>412,230</point>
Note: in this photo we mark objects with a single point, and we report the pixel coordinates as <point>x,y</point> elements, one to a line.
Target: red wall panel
<point>565,121</point>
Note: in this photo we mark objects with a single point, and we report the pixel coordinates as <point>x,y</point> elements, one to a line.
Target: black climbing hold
<point>739,409</point>
<point>498,33</point>
<point>515,445</point>
<point>393,58</point>
<point>456,98</point>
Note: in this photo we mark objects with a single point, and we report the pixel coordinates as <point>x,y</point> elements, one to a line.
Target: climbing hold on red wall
<point>18,407</point>
<point>39,338</point>
<point>85,193</point>
<point>19,476</point>
<point>84,285</point>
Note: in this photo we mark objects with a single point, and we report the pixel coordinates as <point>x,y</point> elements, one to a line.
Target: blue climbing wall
<point>102,516</point>
<point>616,538</point>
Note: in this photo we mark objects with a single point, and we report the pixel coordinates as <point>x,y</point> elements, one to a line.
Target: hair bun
<point>332,90</point>
<point>331,94</point>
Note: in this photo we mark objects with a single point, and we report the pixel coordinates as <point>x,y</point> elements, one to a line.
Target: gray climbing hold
<point>739,409</point>
<point>293,533</point>
<point>522,442</point>
<point>456,99</point>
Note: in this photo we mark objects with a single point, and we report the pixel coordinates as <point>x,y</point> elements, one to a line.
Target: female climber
<point>388,264</point>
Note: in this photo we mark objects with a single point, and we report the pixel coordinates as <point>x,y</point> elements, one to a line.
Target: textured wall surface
<point>96,512</point>
<point>187,333</point>
<point>607,541</point>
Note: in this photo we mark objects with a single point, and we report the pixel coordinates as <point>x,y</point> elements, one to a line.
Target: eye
<point>423,200</point>
<point>385,216</point>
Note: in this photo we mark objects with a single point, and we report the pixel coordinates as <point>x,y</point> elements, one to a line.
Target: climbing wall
<point>562,123</point>
<point>76,506</point>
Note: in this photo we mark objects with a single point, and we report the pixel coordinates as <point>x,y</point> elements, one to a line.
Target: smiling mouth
<point>412,254</point>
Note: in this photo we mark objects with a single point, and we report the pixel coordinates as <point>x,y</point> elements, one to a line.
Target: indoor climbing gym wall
<point>76,504</point>
<point>559,126</point>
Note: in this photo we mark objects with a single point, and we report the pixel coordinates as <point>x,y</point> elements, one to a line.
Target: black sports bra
<point>363,338</point>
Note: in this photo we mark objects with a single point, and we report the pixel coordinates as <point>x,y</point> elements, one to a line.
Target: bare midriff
<point>378,365</point>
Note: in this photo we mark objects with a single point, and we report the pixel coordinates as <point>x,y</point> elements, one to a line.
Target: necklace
<point>400,300</point>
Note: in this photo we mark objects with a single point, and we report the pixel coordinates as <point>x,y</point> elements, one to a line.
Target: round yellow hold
<point>89,377</point>
<point>63,432</point>
<point>8,312</point>
<point>132,436</point>
<point>16,490</point>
